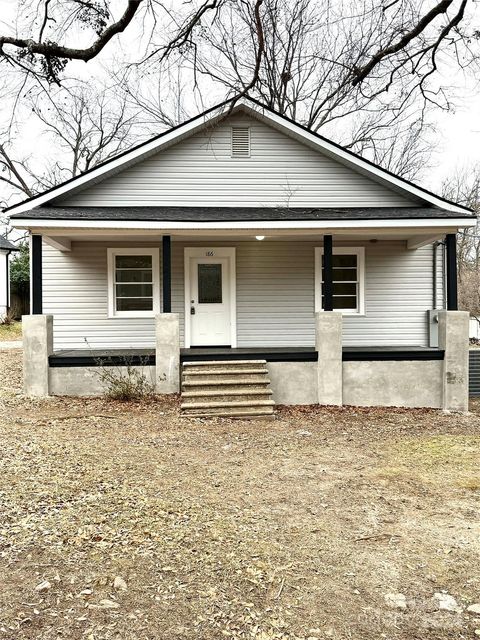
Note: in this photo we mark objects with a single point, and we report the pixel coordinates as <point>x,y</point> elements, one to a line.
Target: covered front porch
<point>356,312</point>
<point>243,291</point>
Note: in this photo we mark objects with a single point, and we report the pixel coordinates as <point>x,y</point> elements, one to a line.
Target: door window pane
<point>210,283</point>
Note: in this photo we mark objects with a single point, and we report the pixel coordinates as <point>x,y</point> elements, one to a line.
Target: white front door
<point>208,305</point>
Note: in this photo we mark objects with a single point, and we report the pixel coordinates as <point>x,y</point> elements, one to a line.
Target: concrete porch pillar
<point>37,333</point>
<point>167,353</point>
<point>453,338</point>
<point>328,343</point>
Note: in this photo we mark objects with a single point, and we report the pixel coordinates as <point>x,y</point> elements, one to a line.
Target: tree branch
<point>441,8</point>
<point>54,50</point>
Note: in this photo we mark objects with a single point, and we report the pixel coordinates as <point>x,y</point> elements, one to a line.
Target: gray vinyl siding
<point>199,170</point>
<point>275,295</point>
<point>75,292</point>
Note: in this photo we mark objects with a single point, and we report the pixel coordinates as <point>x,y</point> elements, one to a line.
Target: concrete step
<point>222,371</point>
<point>221,363</point>
<point>220,412</point>
<point>231,404</point>
<point>230,378</point>
<point>234,416</point>
<point>233,389</point>
<point>228,386</point>
<point>234,393</point>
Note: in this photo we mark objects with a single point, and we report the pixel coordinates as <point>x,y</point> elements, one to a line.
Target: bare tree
<point>43,54</point>
<point>305,46</point>
<point>392,38</point>
<point>86,126</point>
<point>400,144</point>
<point>463,186</point>
<point>354,66</point>
<point>81,126</point>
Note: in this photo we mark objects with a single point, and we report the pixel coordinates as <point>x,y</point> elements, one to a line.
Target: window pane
<point>342,275</point>
<point>342,302</point>
<point>344,289</point>
<point>342,260</point>
<point>210,283</point>
<point>133,275</point>
<point>133,262</point>
<point>134,290</point>
<point>134,304</point>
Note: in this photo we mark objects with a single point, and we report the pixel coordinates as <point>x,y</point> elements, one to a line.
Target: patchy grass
<point>438,459</point>
<point>288,530</point>
<point>11,331</point>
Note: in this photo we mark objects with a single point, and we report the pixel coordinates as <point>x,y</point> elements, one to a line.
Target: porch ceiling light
<point>259,237</point>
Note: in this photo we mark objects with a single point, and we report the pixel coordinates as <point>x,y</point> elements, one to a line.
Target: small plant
<point>9,318</point>
<point>125,382</point>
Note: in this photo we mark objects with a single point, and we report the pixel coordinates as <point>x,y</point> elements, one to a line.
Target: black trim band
<point>328,273</point>
<point>352,356</point>
<point>451,249</point>
<point>36,261</point>
<point>269,356</point>
<point>56,361</point>
<point>287,355</point>
<point>167,274</point>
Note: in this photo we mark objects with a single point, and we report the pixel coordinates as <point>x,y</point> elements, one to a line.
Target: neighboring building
<point>6,248</point>
<point>474,330</point>
<point>246,230</point>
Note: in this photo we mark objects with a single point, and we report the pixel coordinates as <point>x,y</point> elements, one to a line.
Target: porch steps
<point>227,388</point>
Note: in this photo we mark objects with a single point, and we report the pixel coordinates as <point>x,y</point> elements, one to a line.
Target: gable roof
<point>6,244</point>
<point>237,214</point>
<point>212,116</point>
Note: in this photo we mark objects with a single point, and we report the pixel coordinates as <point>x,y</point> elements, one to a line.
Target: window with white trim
<point>348,265</point>
<point>133,282</point>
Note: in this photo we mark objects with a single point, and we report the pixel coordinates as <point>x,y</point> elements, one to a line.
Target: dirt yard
<point>129,522</point>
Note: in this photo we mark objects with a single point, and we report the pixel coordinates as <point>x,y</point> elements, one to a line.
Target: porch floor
<point>115,357</point>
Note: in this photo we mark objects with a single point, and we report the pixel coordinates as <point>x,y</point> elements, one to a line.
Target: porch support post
<point>451,248</point>
<point>36,275</point>
<point>328,343</point>
<point>37,337</point>
<point>167,274</point>
<point>328,272</point>
<point>453,338</point>
<point>167,353</point>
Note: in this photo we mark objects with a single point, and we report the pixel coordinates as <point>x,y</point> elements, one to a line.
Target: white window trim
<point>360,253</point>
<point>206,252</point>
<point>142,251</point>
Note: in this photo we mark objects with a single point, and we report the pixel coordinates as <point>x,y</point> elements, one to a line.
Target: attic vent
<point>240,142</point>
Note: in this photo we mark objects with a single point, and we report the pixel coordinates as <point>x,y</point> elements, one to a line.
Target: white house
<point>6,248</point>
<point>241,236</point>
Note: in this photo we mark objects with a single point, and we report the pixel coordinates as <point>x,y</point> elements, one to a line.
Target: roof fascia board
<point>433,223</point>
